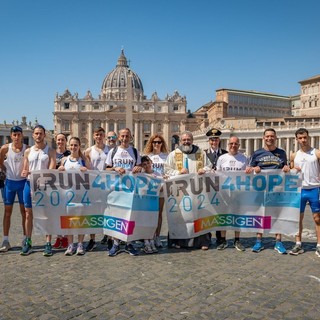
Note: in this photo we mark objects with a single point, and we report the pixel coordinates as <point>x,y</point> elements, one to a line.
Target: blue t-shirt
<point>265,159</point>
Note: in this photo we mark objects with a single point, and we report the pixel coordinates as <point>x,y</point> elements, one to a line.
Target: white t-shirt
<point>158,161</point>
<point>229,162</point>
<point>123,158</point>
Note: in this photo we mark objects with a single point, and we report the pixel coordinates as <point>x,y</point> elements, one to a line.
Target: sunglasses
<point>157,142</point>
<point>112,137</point>
<point>16,129</point>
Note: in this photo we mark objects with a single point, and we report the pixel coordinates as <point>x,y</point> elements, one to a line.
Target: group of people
<point>114,152</point>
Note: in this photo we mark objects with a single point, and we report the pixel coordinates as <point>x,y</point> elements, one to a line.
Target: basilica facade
<point>121,103</point>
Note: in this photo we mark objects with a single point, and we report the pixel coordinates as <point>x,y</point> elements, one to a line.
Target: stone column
<point>75,127</point>
<point>116,125</point>
<point>58,125</point>
<point>136,133</point>
<point>166,132</point>
<point>279,143</point>
<point>296,146</point>
<point>140,135</point>
<point>153,123</point>
<point>288,146</point>
<point>107,125</point>
<point>313,142</point>
<point>89,134</point>
<point>255,144</point>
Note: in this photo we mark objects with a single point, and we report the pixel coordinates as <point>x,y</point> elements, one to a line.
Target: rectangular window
<point>175,107</point>
<point>111,126</point>
<point>146,126</point>
<point>66,126</point>
<point>66,105</point>
<point>175,127</point>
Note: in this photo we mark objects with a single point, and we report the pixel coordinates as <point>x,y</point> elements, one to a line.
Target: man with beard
<point>188,158</point>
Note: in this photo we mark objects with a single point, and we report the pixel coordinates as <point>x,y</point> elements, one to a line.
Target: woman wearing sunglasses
<point>157,150</point>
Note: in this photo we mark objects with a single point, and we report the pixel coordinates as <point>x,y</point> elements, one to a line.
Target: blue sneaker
<point>27,247</point>
<point>131,250</point>
<point>280,248</point>
<point>257,247</point>
<point>47,250</point>
<point>114,250</point>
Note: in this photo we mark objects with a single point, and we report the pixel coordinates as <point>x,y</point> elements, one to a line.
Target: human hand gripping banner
<point>268,202</point>
<point>72,202</point>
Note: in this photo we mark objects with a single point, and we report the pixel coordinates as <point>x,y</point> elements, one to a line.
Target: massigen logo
<point>97,221</point>
<point>232,220</point>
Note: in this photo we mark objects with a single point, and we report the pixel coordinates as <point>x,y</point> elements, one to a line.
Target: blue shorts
<point>27,195</point>
<point>310,196</point>
<point>11,188</point>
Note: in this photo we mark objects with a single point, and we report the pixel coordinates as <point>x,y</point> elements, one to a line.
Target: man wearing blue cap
<point>11,163</point>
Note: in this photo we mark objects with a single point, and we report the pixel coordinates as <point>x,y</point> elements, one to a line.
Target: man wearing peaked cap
<point>213,153</point>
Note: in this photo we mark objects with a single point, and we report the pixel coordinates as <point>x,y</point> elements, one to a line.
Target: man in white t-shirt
<point>232,161</point>
<point>123,159</point>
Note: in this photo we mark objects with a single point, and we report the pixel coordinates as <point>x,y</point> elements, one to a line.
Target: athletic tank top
<point>38,159</point>
<point>98,158</point>
<point>14,163</point>
<point>73,164</point>
<point>309,164</point>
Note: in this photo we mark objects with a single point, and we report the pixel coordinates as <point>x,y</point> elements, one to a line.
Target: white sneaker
<point>70,250</point>
<point>153,247</point>
<point>158,242</point>
<point>5,246</point>
<point>147,248</point>
<point>80,249</point>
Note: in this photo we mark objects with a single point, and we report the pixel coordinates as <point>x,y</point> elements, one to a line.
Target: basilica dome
<point>115,83</point>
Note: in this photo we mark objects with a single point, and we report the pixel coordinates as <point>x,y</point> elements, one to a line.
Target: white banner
<point>268,202</point>
<point>73,202</point>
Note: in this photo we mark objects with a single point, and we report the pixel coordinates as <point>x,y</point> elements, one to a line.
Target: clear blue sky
<point>195,47</point>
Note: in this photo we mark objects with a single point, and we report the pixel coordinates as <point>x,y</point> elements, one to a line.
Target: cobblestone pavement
<point>173,284</point>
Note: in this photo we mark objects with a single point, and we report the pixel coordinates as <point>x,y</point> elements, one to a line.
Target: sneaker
<point>5,246</point>
<point>223,245</point>
<point>131,250</point>
<point>239,246</point>
<point>297,249</point>
<point>47,250</point>
<point>104,239</point>
<point>27,248</point>
<point>91,245</point>
<point>280,247</point>
<point>64,242</point>
<point>109,244</point>
<point>257,247</point>
<point>318,251</point>
<point>147,248</point>
<point>57,244</point>
<point>153,247</point>
<point>70,250</point>
<point>158,242</point>
<point>80,250</point>
<point>114,250</point>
